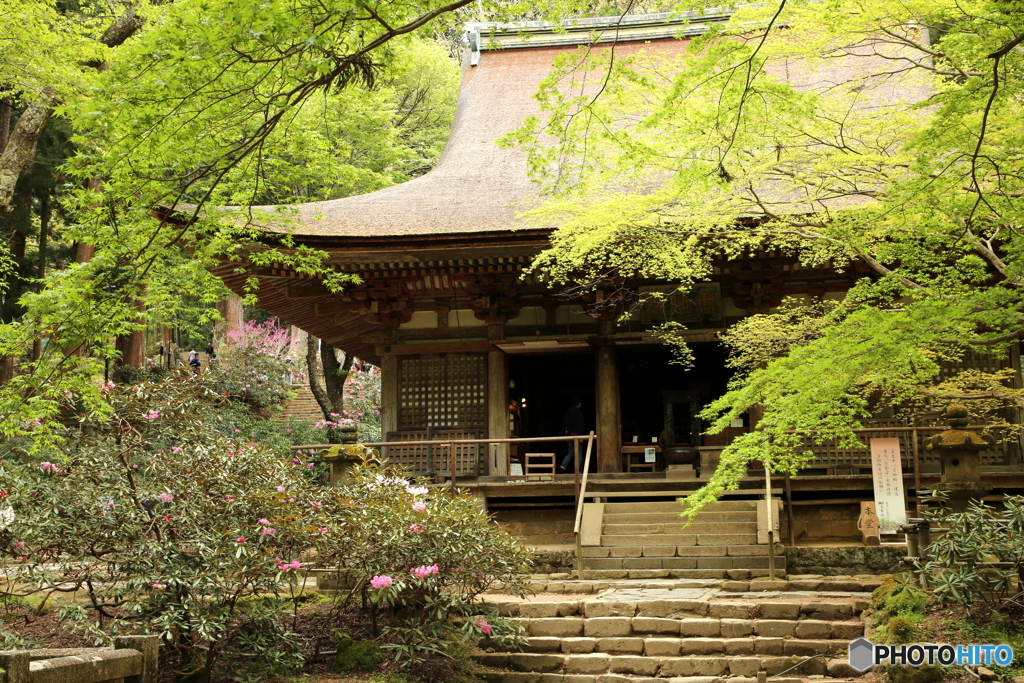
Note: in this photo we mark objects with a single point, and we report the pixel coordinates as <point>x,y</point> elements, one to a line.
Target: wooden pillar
<point>230,310</point>
<point>497,412</point>
<point>388,395</point>
<point>609,419</point>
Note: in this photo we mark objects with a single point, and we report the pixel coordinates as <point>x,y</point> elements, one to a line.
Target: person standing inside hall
<point>572,425</point>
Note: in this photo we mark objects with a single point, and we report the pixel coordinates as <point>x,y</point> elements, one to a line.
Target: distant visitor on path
<point>289,371</point>
<point>195,363</point>
<point>209,350</point>
<point>572,425</point>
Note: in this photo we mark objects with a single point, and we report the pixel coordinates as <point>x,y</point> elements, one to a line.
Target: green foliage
<point>170,525</point>
<point>357,655</point>
<point>899,607</point>
<point>801,141</point>
<point>994,627</point>
<point>979,556</point>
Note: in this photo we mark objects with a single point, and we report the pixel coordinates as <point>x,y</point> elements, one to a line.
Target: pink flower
<point>483,626</point>
<point>291,500</point>
<point>229,498</point>
<point>152,415</point>
<point>156,584</point>
<point>295,564</point>
<point>135,467</point>
<point>417,528</point>
<point>268,531</point>
<point>423,571</point>
<point>166,518</point>
<point>48,466</point>
<point>309,464</point>
<point>323,529</point>
<point>20,545</point>
<point>381,581</point>
<point>237,431</point>
<point>281,489</point>
<point>419,506</point>
<point>240,539</point>
<point>316,505</point>
<point>176,449</point>
<point>263,520</point>
<point>165,497</point>
<point>3,494</point>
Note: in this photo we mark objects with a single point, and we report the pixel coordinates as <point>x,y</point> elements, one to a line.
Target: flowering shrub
<point>426,555</point>
<point>158,520</point>
<point>170,526</point>
<point>252,364</point>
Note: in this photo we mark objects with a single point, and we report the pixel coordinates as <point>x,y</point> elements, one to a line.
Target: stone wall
<point>539,526</point>
<point>825,523</point>
<point>848,560</point>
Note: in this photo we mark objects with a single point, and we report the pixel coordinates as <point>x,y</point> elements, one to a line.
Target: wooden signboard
<point>887,473</point>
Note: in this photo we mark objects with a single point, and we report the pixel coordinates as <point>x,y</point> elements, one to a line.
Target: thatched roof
<point>478,186</point>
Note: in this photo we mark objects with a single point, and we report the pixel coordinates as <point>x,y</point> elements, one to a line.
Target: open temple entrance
<point>541,388</point>
<point>661,402</point>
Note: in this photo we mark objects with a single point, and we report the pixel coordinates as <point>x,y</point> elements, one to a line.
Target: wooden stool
<point>539,463</point>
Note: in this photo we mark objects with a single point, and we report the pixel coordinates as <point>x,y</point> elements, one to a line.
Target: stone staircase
<point>699,633</point>
<point>302,407</point>
<point>651,540</point>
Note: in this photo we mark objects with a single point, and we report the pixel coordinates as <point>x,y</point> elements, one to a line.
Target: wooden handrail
<point>437,442</point>
<point>581,496</point>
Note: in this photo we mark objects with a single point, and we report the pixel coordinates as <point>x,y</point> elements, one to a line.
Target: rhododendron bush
<point>252,364</point>
<point>427,555</point>
<point>169,526</point>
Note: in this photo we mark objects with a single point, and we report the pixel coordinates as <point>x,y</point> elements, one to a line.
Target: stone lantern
<point>960,451</point>
<point>342,457</point>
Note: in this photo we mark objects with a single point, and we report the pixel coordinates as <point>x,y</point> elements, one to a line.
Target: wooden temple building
<point>471,345</point>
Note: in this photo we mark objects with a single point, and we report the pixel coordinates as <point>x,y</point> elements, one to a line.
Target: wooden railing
<point>581,495</point>
<point>450,445</point>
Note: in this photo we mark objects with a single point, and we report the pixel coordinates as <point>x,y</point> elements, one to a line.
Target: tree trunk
<point>335,373</point>
<point>5,123</point>
<point>329,396</point>
<point>21,146</point>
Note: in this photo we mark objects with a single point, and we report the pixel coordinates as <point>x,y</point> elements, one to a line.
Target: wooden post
<point>497,410</point>
<point>389,402</point>
<point>789,512</point>
<point>609,423</point>
<point>917,472</point>
<point>576,465</point>
<point>14,666</point>
<point>451,464</point>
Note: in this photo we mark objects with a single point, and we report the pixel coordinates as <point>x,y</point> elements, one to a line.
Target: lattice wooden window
<point>442,391</point>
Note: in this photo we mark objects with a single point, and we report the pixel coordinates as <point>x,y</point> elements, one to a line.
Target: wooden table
<point>631,449</point>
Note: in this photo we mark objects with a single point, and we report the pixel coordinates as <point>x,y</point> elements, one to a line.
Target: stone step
<point>675,506</point>
<point>679,539</point>
<point>678,527</point>
<point>675,518</point>
<point>704,617</point>
<point>675,647</point>
<point>732,575</point>
<point>655,550</point>
<point>534,677</point>
<point>660,666</point>
<point>697,629</point>
<point>662,562</point>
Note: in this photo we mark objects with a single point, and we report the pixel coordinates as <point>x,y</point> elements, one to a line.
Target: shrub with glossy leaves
<point>978,556</point>
<point>170,526</point>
